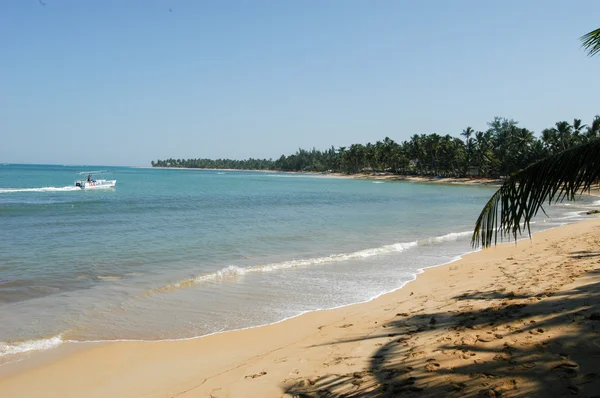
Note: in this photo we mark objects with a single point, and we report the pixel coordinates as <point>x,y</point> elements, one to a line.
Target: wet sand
<point>513,320</point>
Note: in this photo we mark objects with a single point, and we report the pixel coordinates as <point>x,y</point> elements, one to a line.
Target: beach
<point>288,200</point>
<point>512,320</point>
<point>422,179</point>
<point>376,176</point>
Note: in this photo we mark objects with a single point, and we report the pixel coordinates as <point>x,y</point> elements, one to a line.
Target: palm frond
<point>591,42</point>
<point>553,179</point>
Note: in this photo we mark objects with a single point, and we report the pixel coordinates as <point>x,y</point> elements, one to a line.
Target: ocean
<point>175,254</point>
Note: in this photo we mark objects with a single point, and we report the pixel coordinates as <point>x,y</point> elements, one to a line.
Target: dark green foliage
<point>249,164</point>
<point>591,42</point>
<point>573,166</point>
<point>501,150</point>
<point>553,179</point>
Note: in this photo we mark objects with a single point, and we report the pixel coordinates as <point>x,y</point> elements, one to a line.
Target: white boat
<point>94,180</point>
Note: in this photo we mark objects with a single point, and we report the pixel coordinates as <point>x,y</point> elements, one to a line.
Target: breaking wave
<point>29,345</point>
<point>451,237</point>
<point>232,271</point>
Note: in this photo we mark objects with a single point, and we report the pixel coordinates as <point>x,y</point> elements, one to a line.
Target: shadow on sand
<point>546,345</point>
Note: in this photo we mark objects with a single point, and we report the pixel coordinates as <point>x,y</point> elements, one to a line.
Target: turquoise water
<point>181,253</point>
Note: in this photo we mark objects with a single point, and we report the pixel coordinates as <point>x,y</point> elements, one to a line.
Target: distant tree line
<point>249,164</point>
<point>500,150</point>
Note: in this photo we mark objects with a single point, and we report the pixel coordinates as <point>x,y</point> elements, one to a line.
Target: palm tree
<point>577,129</point>
<point>555,178</point>
<point>433,145</point>
<point>386,151</point>
<point>591,42</point>
<point>482,152</point>
<point>564,132</point>
<point>550,140</point>
<point>593,131</point>
<point>416,152</point>
<point>342,159</point>
<point>467,133</point>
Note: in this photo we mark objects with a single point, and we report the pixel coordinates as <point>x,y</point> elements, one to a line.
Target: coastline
<point>409,335</point>
<point>436,180</point>
<point>361,176</point>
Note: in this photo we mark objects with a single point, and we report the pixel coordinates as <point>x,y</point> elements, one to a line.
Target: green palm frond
<point>553,179</point>
<point>591,42</point>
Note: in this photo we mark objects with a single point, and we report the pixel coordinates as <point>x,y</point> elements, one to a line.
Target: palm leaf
<point>553,179</point>
<point>591,42</point>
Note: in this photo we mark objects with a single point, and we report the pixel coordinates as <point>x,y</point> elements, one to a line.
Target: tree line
<point>502,149</point>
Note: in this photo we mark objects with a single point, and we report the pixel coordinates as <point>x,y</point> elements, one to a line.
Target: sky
<point>126,82</point>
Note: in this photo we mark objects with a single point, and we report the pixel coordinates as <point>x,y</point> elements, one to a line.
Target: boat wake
<point>42,189</point>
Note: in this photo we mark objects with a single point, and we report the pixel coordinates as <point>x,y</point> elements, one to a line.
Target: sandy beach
<point>360,176</point>
<point>438,180</point>
<point>513,320</point>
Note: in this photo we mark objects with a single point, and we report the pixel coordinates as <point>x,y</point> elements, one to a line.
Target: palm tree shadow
<point>521,345</point>
<point>582,254</point>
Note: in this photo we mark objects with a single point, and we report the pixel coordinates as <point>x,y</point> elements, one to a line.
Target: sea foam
<point>232,271</point>
<point>29,345</point>
<point>451,237</point>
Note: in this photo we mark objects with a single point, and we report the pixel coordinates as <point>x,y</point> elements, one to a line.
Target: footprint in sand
<point>254,376</point>
<point>566,369</point>
<point>430,367</point>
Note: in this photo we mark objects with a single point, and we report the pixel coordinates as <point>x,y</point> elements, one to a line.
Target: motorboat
<point>94,180</point>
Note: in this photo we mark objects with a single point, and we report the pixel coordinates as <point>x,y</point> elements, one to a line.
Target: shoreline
<point>63,343</point>
<point>229,351</point>
<point>420,179</point>
<point>360,176</point>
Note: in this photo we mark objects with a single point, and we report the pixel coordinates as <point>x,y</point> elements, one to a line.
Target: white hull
<point>98,184</point>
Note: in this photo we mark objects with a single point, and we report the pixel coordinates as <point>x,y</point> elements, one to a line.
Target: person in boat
<point>89,178</point>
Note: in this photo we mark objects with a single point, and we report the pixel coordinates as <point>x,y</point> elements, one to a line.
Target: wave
<point>451,237</point>
<point>45,344</point>
<point>571,214</point>
<point>29,345</point>
<point>42,189</point>
<point>232,271</point>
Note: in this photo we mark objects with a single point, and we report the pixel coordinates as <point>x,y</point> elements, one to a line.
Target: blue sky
<point>126,82</point>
